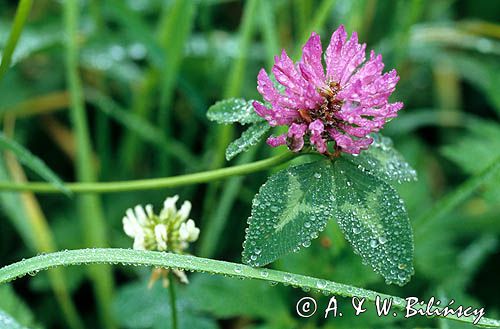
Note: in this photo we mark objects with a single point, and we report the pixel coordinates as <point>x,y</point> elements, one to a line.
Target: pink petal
<point>266,88</point>
<point>316,127</point>
<point>310,65</point>
<point>276,141</point>
<point>348,144</point>
<point>302,92</point>
<point>334,50</point>
<point>296,134</point>
<point>342,58</point>
<point>275,116</point>
<point>369,86</point>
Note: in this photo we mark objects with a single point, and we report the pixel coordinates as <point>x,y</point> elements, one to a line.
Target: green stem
<point>22,12</point>
<point>452,200</point>
<point>173,303</point>
<point>235,82</point>
<point>320,17</point>
<point>192,263</point>
<point>89,206</point>
<point>175,28</point>
<point>156,183</point>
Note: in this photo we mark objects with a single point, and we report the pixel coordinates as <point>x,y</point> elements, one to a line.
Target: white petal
<point>169,207</point>
<point>194,232</point>
<point>181,275</point>
<point>183,232</point>
<point>188,231</point>
<point>130,214</point>
<point>161,236</point>
<point>139,243</point>
<point>149,210</point>
<point>130,226</point>
<point>141,215</point>
<point>183,213</point>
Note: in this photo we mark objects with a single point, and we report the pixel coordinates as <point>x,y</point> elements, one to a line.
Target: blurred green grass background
<point>149,69</point>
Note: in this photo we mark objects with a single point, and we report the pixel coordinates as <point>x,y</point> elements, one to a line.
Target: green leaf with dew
<point>233,110</point>
<point>291,208</point>
<point>249,137</point>
<point>374,220</point>
<point>381,159</point>
<point>8,322</point>
<point>14,313</point>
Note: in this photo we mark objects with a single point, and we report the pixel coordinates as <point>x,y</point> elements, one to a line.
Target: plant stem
<point>22,12</point>
<point>452,200</point>
<point>317,21</point>
<point>192,263</point>
<point>38,230</point>
<point>89,206</point>
<point>155,183</point>
<point>173,304</point>
<point>175,28</point>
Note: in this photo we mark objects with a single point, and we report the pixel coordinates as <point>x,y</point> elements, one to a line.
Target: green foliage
<point>31,161</point>
<point>190,263</point>
<point>384,161</point>
<point>136,306</point>
<point>7,322</point>
<point>233,110</point>
<point>250,137</point>
<point>14,313</point>
<point>294,205</point>
<point>204,292</point>
<point>148,72</point>
<point>291,208</point>
<point>374,220</point>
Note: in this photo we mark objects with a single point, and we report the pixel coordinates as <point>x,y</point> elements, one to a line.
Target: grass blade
<point>89,205</point>
<point>32,162</point>
<point>192,263</point>
<point>35,228</point>
<point>22,12</point>
<point>455,198</point>
<point>175,28</point>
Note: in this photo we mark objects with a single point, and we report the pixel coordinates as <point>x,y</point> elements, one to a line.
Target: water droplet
<point>317,175</point>
<point>373,243</point>
<point>238,269</point>
<point>321,284</point>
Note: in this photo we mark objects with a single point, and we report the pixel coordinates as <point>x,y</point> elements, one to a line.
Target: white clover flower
<point>188,232</point>
<point>170,231</point>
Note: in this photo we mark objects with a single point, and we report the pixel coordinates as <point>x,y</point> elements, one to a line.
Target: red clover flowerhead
<point>344,104</point>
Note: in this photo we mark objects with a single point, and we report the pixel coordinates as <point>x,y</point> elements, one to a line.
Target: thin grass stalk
<point>22,12</point>
<point>89,206</point>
